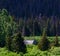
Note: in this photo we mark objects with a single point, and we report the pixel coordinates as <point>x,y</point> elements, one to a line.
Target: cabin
<point>30,42</point>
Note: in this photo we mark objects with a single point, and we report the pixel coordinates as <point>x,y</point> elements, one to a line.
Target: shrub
<point>7,26</point>
<point>56,43</point>
<point>44,42</point>
<point>18,44</point>
<point>8,43</point>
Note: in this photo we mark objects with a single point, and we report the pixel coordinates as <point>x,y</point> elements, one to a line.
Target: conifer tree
<point>7,26</point>
<point>56,42</point>
<point>18,44</point>
<point>8,43</point>
<point>44,42</point>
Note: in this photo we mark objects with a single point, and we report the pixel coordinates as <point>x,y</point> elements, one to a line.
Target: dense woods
<point>21,8</point>
<point>32,15</point>
<point>34,26</point>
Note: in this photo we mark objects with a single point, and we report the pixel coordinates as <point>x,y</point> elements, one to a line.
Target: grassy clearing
<point>32,50</point>
<point>39,37</point>
<point>54,51</point>
<point>4,52</point>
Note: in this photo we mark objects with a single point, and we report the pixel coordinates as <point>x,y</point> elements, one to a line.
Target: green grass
<point>4,52</point>
<point>39,37</point>
<point>32,50</point>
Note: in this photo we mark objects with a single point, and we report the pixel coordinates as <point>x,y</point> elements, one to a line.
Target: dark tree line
<point>34,26</point>
<point>27,8</point>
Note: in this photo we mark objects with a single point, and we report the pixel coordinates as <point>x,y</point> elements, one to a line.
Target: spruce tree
<point>7,26</point>
<point>44,42</point>
<point>8,43</point>
<point>56,43</point>
<point>18,44</point>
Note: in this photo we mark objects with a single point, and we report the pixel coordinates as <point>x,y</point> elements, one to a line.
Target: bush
<point>44,43</point>
<point>18,44</point>
<point>7,26</point>
<point>8,43</point>
<point>56,43</point>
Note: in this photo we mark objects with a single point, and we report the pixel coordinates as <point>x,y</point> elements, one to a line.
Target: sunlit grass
<point>32,50</point>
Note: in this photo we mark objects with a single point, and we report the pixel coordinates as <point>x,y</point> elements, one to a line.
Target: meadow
<point>32,50</point>
<point>37,38</point>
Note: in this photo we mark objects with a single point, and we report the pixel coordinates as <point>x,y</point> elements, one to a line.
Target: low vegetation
<point>17,44</point>
<point>44,42</point>
<point>12,42</point>
<point>32,51</point>
<point>56,41</point>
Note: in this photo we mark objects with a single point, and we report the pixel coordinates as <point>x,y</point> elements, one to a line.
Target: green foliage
<point>8,43</point>
<point>44,42</point>
<point>3,27</point>
<point>32,50</point>
<point>56,41</point>
<point>7,26</point>
<point>18,43</point>
<point>4,52</point>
